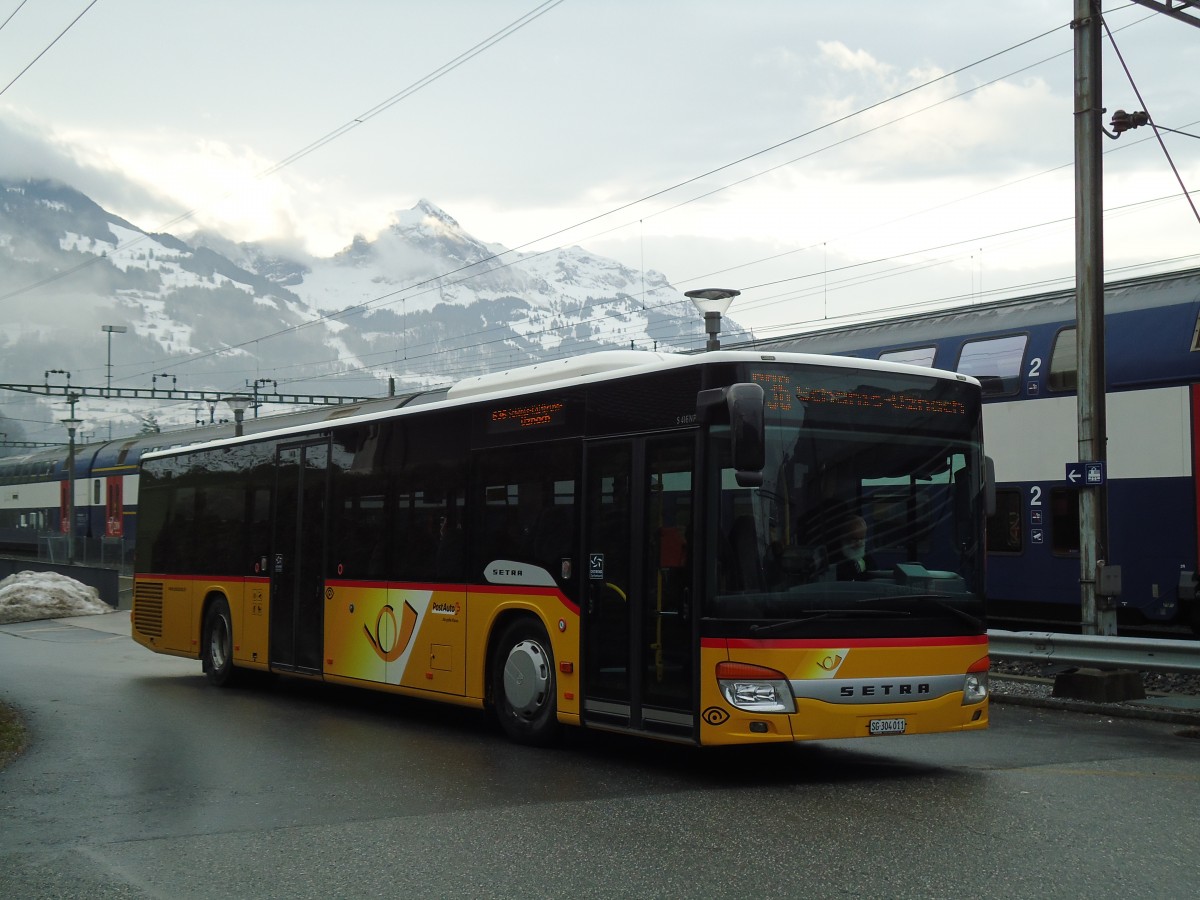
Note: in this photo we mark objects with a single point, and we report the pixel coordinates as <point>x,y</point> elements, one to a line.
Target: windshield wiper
<point>818,614</point>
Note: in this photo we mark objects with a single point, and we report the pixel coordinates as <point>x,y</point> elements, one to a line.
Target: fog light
<point>759,727</point>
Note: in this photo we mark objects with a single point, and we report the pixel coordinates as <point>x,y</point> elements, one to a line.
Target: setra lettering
<point>884,690</point>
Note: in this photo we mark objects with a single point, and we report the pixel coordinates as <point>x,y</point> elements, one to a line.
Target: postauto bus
<point>725,548</point>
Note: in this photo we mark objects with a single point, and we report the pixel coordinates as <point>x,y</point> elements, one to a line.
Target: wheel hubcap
<point>219,644</point>
<point>526,678</point>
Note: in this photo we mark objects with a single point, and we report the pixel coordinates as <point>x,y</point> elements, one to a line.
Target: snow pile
<point>26,596</point>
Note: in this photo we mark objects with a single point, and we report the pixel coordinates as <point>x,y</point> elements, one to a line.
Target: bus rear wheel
<point>217,644</point>
<point>524,689</point>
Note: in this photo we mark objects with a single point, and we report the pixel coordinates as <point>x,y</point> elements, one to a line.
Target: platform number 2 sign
<point>1036,535</point>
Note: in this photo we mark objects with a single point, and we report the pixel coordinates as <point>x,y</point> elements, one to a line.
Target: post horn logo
<point>391,637</point>
<point>831,662</point>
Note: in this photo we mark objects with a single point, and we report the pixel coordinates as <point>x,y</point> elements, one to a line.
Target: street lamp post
<point>238,403</point>
<point>712,303</point>
<point>72,424</point>
<point>111,330</point>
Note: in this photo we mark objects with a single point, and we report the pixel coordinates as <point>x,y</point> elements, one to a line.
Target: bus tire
<point>524,689</point>
<point>216,644</point>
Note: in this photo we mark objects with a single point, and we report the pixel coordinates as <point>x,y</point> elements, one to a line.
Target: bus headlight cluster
<point>975,685</point>
<point>755,688</point>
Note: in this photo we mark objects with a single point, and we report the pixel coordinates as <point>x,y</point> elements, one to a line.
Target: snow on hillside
<point>422,302</point>
<point>425,259</point>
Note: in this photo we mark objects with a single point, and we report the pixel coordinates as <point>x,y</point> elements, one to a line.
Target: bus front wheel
<point>523,683</point>
<point>217,644</point>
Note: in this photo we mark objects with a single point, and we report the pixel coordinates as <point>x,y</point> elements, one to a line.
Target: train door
<point>64,506</point>
<point>114,519</point>
<point>639,654</point>
<point>298,556</point>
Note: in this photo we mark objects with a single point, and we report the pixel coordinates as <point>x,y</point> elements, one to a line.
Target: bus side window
<point>525,508</point>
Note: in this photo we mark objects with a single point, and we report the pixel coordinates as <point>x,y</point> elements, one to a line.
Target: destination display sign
<point>508,419</point>
<point>781,394</point>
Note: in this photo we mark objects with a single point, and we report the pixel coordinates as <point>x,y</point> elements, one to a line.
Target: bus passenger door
<point>298,557</point>
<point>637,597</point>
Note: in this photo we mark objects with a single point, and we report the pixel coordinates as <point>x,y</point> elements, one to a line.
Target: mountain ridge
<point>422,302</point>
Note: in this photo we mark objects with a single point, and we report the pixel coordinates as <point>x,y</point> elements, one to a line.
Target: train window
<point>125,448</point>
<point>914,356</point>
<point>996,362</point>
<point>1063,361</point>
<point>1064,521</point>
<point>1004,532</point>
<point>1196,336</point>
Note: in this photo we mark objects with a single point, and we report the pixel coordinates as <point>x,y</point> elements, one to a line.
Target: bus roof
<point>590,368</point>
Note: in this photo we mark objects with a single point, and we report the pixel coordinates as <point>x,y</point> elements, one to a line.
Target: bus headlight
<point>975,684</point>
<point>755,688</point>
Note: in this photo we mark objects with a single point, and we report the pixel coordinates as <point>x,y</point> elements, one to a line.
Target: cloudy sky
<point>827,158</point>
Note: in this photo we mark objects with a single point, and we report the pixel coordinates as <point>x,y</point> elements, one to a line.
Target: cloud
<point>838,55</point>
<point>32,150</point>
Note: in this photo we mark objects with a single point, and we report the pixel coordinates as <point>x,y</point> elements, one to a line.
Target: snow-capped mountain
<point>423,302</point>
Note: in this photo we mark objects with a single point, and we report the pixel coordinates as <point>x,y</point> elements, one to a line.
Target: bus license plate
<point>888,726</point>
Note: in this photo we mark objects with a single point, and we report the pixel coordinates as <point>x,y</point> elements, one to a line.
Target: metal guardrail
<point>1096,651</point>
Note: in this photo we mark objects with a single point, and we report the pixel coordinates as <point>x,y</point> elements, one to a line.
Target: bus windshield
<point>869,512</point>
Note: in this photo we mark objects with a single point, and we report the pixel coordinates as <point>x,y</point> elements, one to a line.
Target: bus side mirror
<point>747,433</point>
<point>989,486</point>
<point>744,405</point>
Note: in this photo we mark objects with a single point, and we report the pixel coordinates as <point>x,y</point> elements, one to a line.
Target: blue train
<point>1023,352</point>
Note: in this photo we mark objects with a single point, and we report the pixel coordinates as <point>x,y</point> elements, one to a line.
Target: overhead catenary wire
<point>417,85</point>
<point>46,48</point>
<point>377,301</point>
<point>474,340</point>
<point>352,310</point>
<point>13,13</point>
<point>423,82</point>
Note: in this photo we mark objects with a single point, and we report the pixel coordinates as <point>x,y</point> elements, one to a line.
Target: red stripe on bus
<point>822,643</point>
<point>247,579</point>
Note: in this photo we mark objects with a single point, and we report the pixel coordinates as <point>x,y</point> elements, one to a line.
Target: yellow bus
<point>724,548</point>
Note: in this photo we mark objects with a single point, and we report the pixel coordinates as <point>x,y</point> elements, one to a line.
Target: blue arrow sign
<point>1087,473</point>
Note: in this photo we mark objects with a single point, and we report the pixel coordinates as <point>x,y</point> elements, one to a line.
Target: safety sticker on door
<point>596,566</point>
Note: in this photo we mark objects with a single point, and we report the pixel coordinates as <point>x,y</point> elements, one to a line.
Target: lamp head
<point>709,300</point>
<point>239,403</point>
